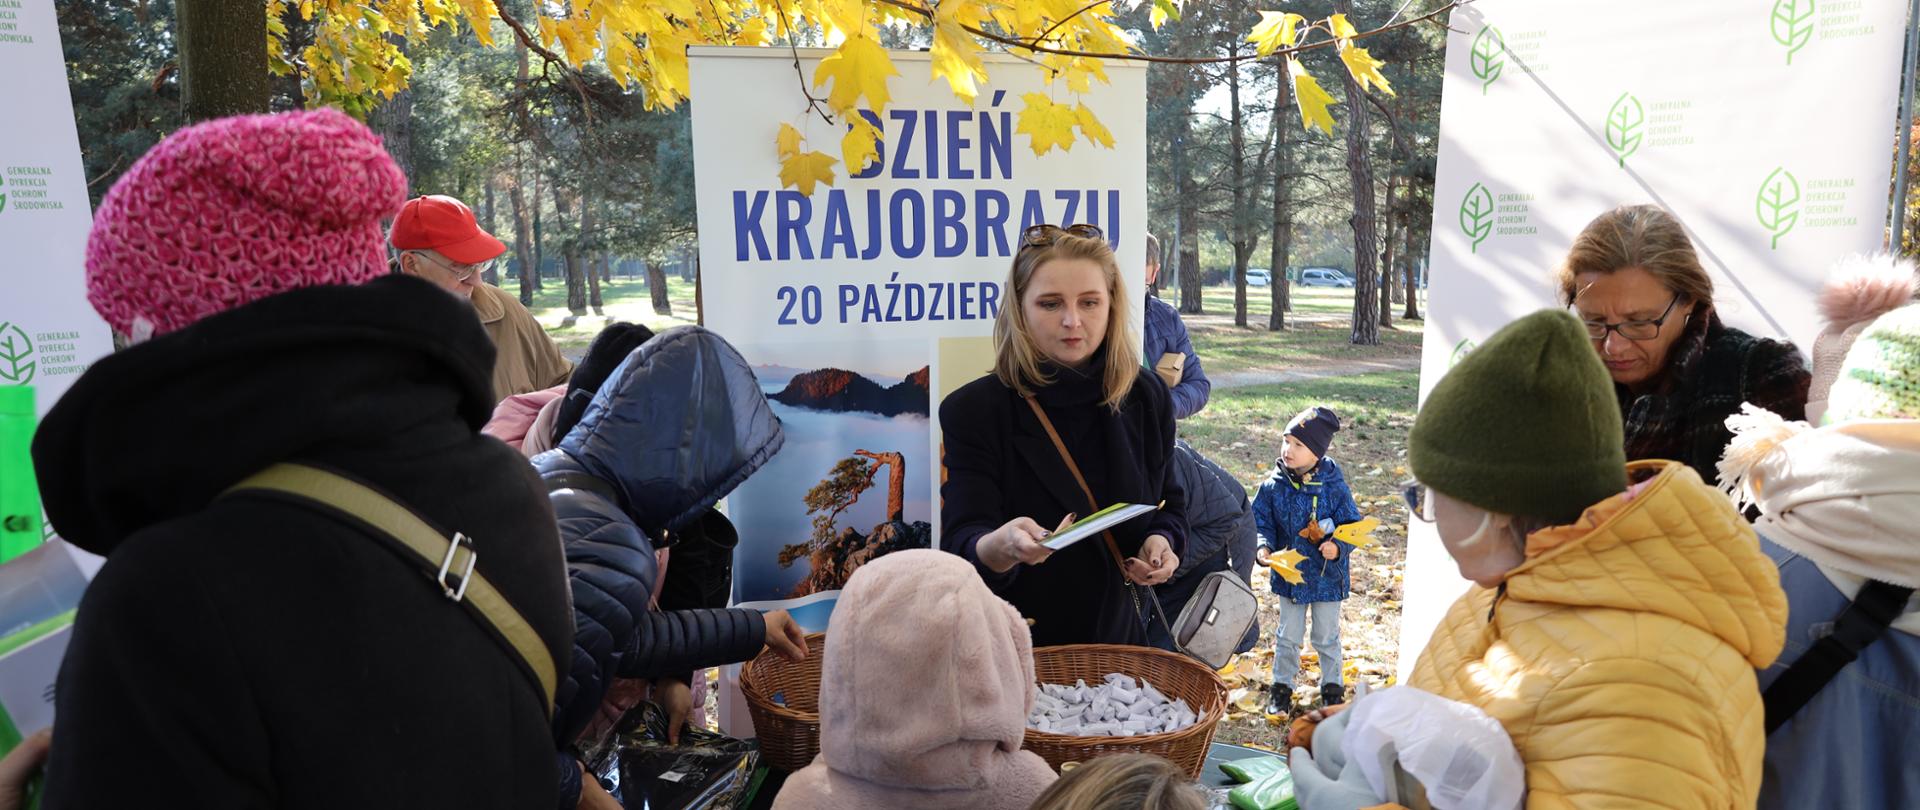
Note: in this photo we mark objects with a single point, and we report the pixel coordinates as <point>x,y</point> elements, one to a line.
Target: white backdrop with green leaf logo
<point>1766,127</point>
<point>49,334</point>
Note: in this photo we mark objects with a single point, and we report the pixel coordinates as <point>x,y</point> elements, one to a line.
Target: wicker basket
<point>1176,676</point>
<point>789,734</point>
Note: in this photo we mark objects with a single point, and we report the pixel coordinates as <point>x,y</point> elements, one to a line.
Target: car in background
<point>1324,277</point>
<point>1259,277</point>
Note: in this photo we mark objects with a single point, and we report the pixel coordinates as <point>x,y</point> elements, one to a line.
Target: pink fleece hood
<point>925,690</point>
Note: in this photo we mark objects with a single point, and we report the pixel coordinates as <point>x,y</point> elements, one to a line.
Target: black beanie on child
<point>1314,427</point>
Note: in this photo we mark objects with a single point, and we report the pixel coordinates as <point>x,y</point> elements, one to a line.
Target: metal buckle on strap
<point>446,565</point>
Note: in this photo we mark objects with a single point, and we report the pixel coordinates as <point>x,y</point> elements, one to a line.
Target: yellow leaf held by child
<point>1358,535</point>
<point>1286,563</point>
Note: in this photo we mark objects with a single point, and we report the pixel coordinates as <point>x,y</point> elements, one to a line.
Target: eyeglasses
<point>1418,499</point>
<point>1631,330</point>
<point>460,272</point>
<point>1044,235</point>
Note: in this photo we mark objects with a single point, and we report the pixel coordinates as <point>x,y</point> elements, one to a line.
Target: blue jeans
<point>1326,639</point>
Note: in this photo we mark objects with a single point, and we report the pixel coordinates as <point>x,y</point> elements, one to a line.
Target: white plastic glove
<point>1315,790</point>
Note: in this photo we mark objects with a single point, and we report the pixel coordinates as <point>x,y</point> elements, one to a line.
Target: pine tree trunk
<point>393,120</point>
<point>522,218</point>
<point>1187,217</point>
<point>1366,323</point>
<point>570,260</point>
<point>522,230</point>
<point>657,287</point>
<point>588,258</point>
<point>1386,258</point>
<point>1242,248</point>
<point>492,276</point>
<point>1412,282</point>
<point>539,236</point>
<point>1282,236</point>
<point>223,58</point>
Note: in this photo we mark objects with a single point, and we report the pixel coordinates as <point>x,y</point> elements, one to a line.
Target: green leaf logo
<point>1623,126</point>
<point>16,355</point>
<point>1476,214</point>
<point>1792,24</point>
<point>1460,352</point>
<point>1489,56</point>
<point>1777,204</point>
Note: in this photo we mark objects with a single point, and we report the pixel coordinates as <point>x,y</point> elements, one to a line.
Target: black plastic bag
<point>705,771</point>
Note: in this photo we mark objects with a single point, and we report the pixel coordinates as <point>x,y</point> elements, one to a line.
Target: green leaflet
<point>1488,56</point>
<point>1792,24</point>
<point>1476,214</point>
<point>1776,204</point>
<point>1623,126</point>
<point>16,355</point>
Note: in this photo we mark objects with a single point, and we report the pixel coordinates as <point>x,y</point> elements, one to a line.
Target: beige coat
<point>527,361</point>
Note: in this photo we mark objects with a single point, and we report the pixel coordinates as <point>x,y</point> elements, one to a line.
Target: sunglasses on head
<point>1044,235</point>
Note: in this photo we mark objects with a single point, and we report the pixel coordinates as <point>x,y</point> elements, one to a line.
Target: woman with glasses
<point>1678,372</point>
<point>1613,629</point>
<point>1067,366</point>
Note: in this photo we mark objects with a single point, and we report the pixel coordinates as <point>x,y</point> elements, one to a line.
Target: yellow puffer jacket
<point>1620,656</point>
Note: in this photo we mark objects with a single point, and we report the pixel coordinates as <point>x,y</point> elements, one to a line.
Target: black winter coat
<point>675,428</point>
<point>1001,465</point>
<point>250,653</point>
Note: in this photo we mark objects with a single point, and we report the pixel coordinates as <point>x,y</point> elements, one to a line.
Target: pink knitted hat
<point>230,211</point>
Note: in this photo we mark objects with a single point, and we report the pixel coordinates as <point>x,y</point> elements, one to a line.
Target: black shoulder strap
<point>1864,621</point>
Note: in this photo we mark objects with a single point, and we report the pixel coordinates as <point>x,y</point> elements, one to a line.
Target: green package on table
<point>1253,769</point>
<point>1272,792</point>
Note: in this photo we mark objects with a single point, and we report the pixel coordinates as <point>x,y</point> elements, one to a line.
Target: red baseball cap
<point>446,226</point>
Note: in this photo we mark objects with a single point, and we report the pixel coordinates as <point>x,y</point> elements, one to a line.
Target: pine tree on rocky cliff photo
<point>836,553</point>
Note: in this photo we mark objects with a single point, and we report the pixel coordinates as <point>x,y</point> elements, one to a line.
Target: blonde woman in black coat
<point>1063,340</point>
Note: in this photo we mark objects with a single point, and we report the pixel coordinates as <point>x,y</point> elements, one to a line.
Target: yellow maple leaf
<point>1312,100</point>
<point>1341,28</point>
<point>861,145</point>
<point>1164,10</point>
<point>804,169</point>
<point>1286,562</point>
<point>753,31</point>
<point>787,141</point>
<point>1091,127</point>
<point>1046,124</point>
<point>956,56</point>
<point>1358,534</point>
<point>860,67</point>
<point>1365,68</point>
<point>849,17</point>
<point>1276,30</point>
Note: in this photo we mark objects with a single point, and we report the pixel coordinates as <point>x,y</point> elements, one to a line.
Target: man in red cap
<point>440,241</point>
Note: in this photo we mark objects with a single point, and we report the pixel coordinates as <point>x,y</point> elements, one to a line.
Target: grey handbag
<point>1216,618</point>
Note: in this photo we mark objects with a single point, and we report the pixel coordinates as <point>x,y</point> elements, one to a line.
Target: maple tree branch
<point>527,39</point>
<point>813,104</point>
<point>1069,18</point>
<point>1014,42</point>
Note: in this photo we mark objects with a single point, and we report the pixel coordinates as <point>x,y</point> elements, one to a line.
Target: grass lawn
<point>1241,430</point>
<point>1316,336</point>
<point>622,300</point>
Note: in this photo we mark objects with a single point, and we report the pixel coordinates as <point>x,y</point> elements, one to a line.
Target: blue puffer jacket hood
<point>677,427</point>
<point>674,428</point>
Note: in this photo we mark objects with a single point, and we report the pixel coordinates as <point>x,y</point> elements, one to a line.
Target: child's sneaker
<point>1279,700</point>
<point>1332,694</point>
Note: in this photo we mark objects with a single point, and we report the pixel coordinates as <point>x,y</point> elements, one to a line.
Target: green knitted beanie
<point>1881,376</point>
<point>1526,425</point>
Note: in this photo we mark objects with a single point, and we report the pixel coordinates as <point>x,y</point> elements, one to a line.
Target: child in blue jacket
<point>1298,507</point>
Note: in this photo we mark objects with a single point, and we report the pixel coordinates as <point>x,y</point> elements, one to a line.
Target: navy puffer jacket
<point>675,428</point>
